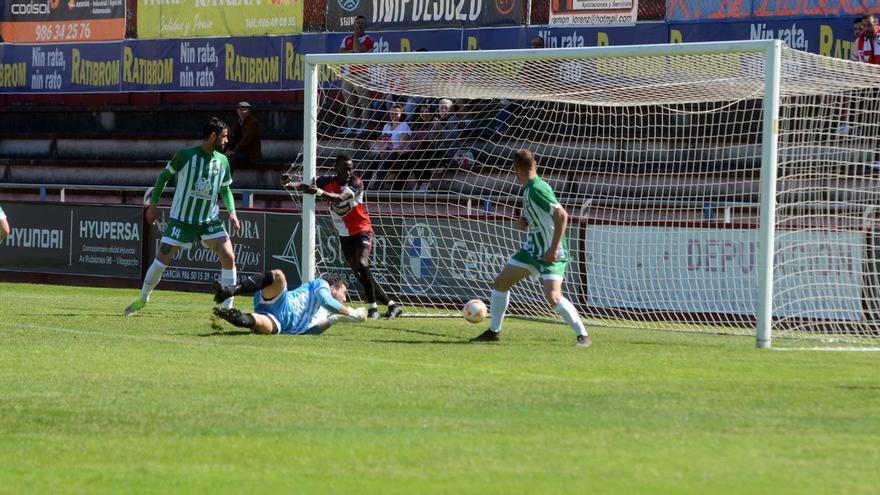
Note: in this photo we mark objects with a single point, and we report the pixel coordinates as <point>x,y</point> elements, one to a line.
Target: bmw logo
<point>417,259</point>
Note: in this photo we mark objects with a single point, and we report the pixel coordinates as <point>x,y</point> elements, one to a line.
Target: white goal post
<point>724,187</point>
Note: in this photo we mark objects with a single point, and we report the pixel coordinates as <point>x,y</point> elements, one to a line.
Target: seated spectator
<point>396,134</point>
<point>392,147</point>
<point>244,138</point>
<point>448,121</point>
<point>381,105</point>
<point>457,127</point>
<point>424,128</point>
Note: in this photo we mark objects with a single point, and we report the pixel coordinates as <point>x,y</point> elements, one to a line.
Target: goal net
<point>655,152</point>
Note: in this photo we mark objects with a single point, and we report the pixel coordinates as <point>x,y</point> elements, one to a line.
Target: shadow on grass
<point>220,333</point>
<point>430,342</point>
<point>860,387</point>
<point>418,332</point>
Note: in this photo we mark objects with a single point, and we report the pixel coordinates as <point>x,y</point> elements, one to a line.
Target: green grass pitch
<point>91,402</point>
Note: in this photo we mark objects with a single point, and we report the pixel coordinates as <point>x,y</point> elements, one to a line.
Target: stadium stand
<point>127,146</point>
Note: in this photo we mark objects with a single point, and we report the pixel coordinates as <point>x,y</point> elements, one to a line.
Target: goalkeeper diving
<point>310,309</point>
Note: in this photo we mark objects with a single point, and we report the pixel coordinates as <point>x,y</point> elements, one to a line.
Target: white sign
<point>594,13</point>
<point>817,274</point>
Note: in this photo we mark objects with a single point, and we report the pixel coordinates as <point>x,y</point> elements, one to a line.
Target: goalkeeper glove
<point>355,316</point>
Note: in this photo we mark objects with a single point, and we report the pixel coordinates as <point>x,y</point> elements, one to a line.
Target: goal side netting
<point>656,157</point>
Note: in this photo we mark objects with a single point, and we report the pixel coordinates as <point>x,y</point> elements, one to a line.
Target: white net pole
<point>767,226</point>
<point>308,172</point>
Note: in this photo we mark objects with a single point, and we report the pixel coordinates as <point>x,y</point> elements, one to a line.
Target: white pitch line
<point>354,357</point>
<point>828,349</point>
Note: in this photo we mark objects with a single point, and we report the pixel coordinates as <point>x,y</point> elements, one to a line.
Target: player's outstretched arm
<point>287,182</point>
<point>346,315</point>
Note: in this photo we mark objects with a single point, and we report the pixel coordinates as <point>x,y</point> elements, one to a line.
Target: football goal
<point>727,187</point>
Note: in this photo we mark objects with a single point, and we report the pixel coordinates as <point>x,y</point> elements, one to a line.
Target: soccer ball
<point>475,311</point>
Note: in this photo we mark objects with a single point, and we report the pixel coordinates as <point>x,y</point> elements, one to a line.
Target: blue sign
<point>60,68</point>
<point>832,37</point>
<point>202,64</point>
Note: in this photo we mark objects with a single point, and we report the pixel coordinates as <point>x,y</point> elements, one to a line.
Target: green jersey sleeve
<point>227,172</point>
<point>177,162</point>
<point>542,196</point>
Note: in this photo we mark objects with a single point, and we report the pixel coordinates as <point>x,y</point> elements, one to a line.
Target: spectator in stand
<point>867,47</point>
<point>392,146</point>
<point>857,31</point>
<point>396,134</point>
<point>449,122</point>
<point>537,42</point>
<point>357,101</point>
<point>424,129</point>
<point>244,138</point>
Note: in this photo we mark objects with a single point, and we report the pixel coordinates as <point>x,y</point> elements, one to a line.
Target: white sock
<point>497,307</point>
<point>228,278</point>
<point>151,280</point>
<point>390,303</point>
<point>372,305</point>
<point>566,309</point>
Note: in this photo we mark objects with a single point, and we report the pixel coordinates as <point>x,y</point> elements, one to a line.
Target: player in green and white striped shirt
<point>544,254</point>
<point>202,174</point>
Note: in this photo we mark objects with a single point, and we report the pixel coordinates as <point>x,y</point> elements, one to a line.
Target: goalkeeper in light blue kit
<point>544,253</point>
<point>310,309</point>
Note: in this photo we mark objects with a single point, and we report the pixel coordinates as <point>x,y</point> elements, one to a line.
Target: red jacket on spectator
<point>867,48</point>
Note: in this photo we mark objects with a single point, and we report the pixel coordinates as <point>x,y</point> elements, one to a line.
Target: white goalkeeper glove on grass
<point>356,316</point>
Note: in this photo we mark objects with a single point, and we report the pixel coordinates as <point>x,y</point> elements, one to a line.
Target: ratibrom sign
<point>74,239</point>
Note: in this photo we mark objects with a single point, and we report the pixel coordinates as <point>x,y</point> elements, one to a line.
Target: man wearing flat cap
<point>244,138</point>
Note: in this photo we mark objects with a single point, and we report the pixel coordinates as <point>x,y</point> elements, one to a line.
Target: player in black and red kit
<point>345,193</point>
